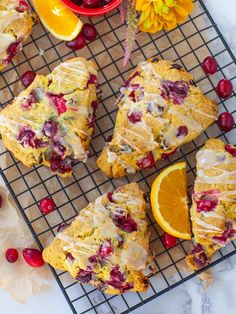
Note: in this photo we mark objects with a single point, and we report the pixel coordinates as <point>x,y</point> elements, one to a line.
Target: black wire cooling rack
<point>188,44</point>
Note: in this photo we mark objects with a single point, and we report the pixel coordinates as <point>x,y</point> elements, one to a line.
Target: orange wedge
<point>58,19</point>
<point>170,202</point>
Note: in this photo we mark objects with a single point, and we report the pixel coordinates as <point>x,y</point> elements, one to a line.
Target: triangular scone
<point>213,211</point>
<point>15,28</point>
<point>107,244</point>
<point>52,121</point>
<point>160,109</point>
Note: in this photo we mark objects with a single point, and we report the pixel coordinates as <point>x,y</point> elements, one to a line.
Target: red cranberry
<point>90,3</point>
<point>78,43</point>
<point>59,149</point>
<point>182,131</point>
<point>33,257</point>
<point>227,234</point>
<point>146,162</point>
<point>210,65</point>
<point>28,77</point>
<point>12,50</point>
<point>84,276</point>
<point>224,88</point>
<point>58,101</point>
<point>167,155</point>
<point>175,91</point>
<point>135,117</point>
<point>60,166</point>
<point>11,255</point>
<point>89,31</point>
<point>231,149</point>
<point>168,240</point>
<point>94,105</point>
<point>226,121</point>
<point>49,129</point>
<point>0,201</point>
<point>23,6</point>
<point>70,257</point>
<point>47,205</point>
<point>106,249</point>
<point>92,79</point>
<point>206,204</point>
<point>28,102</point>
<point>125,223</point>
<point>110,197</point>
<point>127,83</point>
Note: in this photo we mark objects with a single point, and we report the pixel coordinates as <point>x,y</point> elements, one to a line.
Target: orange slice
<point>58,19</point>
<point>170,202</point>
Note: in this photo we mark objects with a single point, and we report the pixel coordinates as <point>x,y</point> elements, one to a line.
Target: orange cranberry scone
<point>52,121</point>
<point>160,109</point>
<point>107,244</point>
<point>213,211</point>
<point>15,27</point>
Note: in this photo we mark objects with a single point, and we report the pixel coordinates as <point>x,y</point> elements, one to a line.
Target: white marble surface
<point>189,298</point>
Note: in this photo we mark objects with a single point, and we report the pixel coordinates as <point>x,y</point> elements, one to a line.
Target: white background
<point>191,297</point>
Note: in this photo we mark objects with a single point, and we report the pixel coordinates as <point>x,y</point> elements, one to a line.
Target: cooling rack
<point>188,44</point>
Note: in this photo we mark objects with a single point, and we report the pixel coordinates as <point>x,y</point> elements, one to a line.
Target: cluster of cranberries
<point>88,33</point>
<point>33,257</point>
<point>224,90</point>
<point>91,3</point>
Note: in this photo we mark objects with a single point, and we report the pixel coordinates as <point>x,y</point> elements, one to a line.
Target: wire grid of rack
<point>188,44</point>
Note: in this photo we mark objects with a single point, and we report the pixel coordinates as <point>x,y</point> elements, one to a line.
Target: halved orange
<point>169,201</point>
<point>58,19</point>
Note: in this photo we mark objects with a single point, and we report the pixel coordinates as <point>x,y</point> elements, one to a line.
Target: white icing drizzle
<point>206,225</point>
<point>150,142</point>
<point>227,177</point>
<point>212,214</point>
<point>119,137</point>
<point>207,159</point>
<point>187,120</point>
<point>72,243</point>
<point>149,69</point>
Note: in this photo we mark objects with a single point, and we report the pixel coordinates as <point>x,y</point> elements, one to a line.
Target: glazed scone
<point>52,121</point>
<point>107,244</point>
<point>213,211</point>
<point>15,27</point>
<point>160,109</point>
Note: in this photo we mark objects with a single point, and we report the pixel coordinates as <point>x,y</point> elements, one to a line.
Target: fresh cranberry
<point>167,155</point>
<point>210,65</point>
<point>11,255</point>
<point>168,240</point>
<point>0,201</point>
<point>33,257</point>
<point>58,101</point>
<point>182,131</point>
<point>22,7</point>
<point>60,166</point>
<point>135,117</point>
<point>78,2</point>
<point>231,149</point>
<point>175,91</point>
<point>47,205</point>
<point>228,233</point>
<point>117,280</point>
<point>226,121</point>
<point>84,276</point>
<point>124,222</point>
<point>12,51</point>
<point>27,78</point>
<point>89,31</point>
<point>110,197</point>
<point>59,149</point>
<point>146,162</point>
<point>49,129</point>
<point>207,202</point>
<point>27,137</point>
<point>109,139</point>
<point>224,88</point>
<point>78,43</point>
<point>90,3</point>
<point>62,227</point>
<point>27,103</point>
<point>106,249</point>
<point>70,257</point>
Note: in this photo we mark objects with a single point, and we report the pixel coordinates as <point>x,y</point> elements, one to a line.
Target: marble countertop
<point>191,297</point>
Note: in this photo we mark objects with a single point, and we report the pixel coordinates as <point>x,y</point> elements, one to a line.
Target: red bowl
<point>92,11</point>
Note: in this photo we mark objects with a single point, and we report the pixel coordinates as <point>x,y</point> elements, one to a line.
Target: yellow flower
<point>162,14</point>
